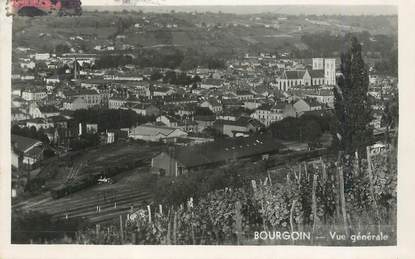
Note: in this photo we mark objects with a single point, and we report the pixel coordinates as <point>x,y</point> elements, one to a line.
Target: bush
<point>39,227</point>
<point>304,129</point>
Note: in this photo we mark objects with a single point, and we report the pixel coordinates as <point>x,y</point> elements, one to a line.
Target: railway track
<point>94,208</point>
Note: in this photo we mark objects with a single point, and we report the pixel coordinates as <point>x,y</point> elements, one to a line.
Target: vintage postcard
<point>159,124</point>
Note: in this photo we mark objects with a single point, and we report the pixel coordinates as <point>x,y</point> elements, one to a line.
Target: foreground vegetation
<point>320,198</point>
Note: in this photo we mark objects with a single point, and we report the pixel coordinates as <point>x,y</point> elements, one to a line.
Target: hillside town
<point>250,94</point>
<point>97,135</point>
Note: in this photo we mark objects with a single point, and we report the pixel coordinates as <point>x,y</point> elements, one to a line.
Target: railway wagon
<point>93,174</point>
<point>74,186</point>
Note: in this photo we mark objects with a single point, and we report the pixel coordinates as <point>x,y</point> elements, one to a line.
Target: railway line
<point>103,203</point>
<point>98,207</point>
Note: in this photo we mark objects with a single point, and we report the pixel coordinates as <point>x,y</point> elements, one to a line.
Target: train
<point>91,177</point>
<point>44,7</point>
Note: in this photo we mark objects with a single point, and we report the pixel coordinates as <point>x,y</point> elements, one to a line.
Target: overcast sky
<point>237,2</point>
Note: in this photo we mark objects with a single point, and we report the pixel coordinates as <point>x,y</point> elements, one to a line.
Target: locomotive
<point>44,7</point>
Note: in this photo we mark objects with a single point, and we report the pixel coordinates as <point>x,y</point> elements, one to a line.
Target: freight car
<point>74,186</point>
<point>91,178</point>
<point>43,7</point>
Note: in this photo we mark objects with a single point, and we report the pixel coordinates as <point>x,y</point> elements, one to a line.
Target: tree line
<point>168,57</point>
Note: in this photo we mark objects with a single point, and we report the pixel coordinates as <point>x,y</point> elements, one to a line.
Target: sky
<point>237,2</point>
<point>332,7</point>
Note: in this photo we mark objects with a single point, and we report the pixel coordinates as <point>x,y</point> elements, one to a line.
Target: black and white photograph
<point>143,123</point>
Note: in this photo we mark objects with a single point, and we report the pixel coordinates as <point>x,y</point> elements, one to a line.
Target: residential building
<point>268,114</point>
<point>244,126</point>
<point>168,121</point>
<point>75,103</point>
<point>34,94</point>
<point>39,123</point>
<point>153,133</point>
<point>25,151</point>
<point>244,95</point>
<point>142,109</point>
<point>210,83</point>
<point>213,104</point>
<point>42,111</point>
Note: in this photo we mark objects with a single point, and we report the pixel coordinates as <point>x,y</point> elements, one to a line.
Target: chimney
<point>80,129</point>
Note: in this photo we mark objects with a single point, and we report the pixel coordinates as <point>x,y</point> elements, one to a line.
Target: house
<point>59,121</point>
<point>28,65</point>
<point>204,121</point>
<point>52,134</point>
<point>251,105</point>
<point>213,104</point>
<point>307,104</point>
<point>54,79</point>
<point>300,106</point>
<point>91,128</point>
<point>43,111</point>
<point>268,114</point>
<point>25,151</point>
<point>323,96</point>
<point>116,102</point>
<point>91,97</point>
<point>161,91</point>
<point>244,95</point>
<point>34,94</point>
<point>169,121</point>
<point>75,103</point>
<point>232,103</point>
<point>210,83</point>
<point>142,109</point>
<point>42,56</point>
<point>188,125</point>
<point>39,123</point>
<point>17,89</point>
<point>153,133</point>
<point>243,126</point>
<point>186,110</point>
<point>18,114</point>
<point>182,160</point>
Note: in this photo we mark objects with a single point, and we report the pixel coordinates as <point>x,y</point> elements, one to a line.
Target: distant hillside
<point>257,9</point>
<point>204,35</point>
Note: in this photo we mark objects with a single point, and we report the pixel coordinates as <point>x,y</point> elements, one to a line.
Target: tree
<point>62,48</point>
<point>39,227</point>
<point>156,75</point>
<point>352,109</point>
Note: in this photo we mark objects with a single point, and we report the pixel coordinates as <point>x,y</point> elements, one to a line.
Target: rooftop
<point>227,149</point>
<point>23,144</point>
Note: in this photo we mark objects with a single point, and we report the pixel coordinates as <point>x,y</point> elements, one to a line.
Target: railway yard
<point>99,203</point>
<point>95,202</point>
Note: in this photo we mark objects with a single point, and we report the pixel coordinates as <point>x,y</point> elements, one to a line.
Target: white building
<point>33,94</point>
<point>329,66</point>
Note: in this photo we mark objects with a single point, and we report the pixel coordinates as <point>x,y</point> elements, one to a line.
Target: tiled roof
<point>152,130</point>
<point>213,101</point>
<point>23,144</point>
<point>294,74</point>
<point>241,121</point>
<point>48,109</point>
<point>316,73</point>
<point>243,92</point>
<point>212,81</point>
<point>220,151</point>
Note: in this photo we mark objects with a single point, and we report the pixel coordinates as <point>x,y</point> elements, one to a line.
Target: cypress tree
<point>352,108</point>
